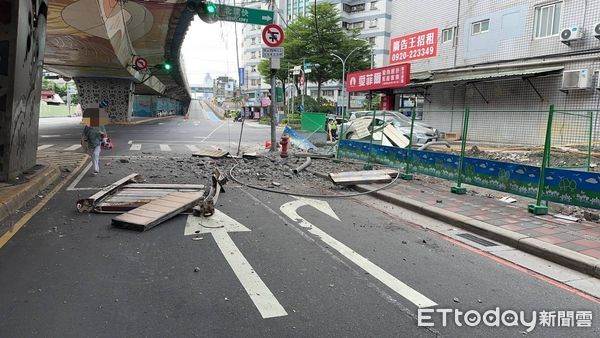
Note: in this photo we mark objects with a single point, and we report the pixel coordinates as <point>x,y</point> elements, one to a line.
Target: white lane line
<point>164,147</point>
<point>45,146</point>
<point>212,132</point>
<point>219,225</point>
<point>79,177</point>
<point>192,147</point>
<point>73,147</point>
<point>47,136</point>
<point>136,146</point>
<point>405,291</point>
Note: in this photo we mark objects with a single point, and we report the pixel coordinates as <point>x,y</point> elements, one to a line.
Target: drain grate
<point>477,240</point>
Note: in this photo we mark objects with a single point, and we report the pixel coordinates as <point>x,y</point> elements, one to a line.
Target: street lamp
<point>343,92</point>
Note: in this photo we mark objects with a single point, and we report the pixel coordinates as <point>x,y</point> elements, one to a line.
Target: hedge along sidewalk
<point>572,244</point>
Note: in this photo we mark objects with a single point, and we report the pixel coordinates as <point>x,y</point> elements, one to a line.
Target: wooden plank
<point>88,204</point>
<point>396,137</point>
<point>360,177</point>
<point>165,186</point>
<point>175,204</point>
<point>212,153</point>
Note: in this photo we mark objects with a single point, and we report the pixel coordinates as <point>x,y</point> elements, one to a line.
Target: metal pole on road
<point>344,107</point>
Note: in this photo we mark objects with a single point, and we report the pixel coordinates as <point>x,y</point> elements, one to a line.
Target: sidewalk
<point>52,165</point>
<point>573,244</point>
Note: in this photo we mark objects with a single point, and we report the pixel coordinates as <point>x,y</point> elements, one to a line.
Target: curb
<point>551,252</point>
<point>133,123</point>
<point>26,191</point>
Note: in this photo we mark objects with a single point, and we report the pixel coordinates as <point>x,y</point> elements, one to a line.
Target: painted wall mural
<point>117,93</point>
<point>97,38</point>
<point>152,105</point>
<point>560,185</point>
<point>22,41</point>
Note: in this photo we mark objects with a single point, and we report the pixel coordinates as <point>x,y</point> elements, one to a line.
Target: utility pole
<point>273,93</point>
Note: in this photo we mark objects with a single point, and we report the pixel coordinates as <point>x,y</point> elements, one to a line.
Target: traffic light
<point>167,66</point>
<point>206,10</point>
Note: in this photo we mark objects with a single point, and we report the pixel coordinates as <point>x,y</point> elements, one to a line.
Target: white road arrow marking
<point>290,210</point>
<point>219,225</point>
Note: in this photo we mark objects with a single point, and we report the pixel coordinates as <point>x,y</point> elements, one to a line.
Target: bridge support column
<point>117,93</point>
<point>22,42</point>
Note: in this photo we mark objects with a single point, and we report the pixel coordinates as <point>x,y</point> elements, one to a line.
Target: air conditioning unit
<point>579,79</point>
<point>570,34</point>
<point>597,31</point>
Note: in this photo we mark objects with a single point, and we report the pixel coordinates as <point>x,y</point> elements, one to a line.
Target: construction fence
<point>546,155</point>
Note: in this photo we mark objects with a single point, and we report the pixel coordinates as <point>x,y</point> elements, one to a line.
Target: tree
<point>264,69</point>
<point>313,38</point>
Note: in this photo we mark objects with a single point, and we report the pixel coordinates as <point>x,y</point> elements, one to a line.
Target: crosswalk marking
<point>73,147</point>
<point>136,146</point>
<point>165,147</point>
<point>192,147</point>
<point>45,146</point>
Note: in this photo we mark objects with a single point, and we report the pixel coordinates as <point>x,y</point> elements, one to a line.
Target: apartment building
<point>251,54</point>
<point>515,55</point>
<point>371,17</point>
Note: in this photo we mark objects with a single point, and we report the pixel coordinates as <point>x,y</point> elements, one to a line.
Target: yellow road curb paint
<point>21,222</point>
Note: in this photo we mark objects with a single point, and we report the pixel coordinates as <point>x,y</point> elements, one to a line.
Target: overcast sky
<point>210,48</point>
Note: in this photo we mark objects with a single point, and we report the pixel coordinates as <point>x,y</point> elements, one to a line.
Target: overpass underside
<point>94,42</point>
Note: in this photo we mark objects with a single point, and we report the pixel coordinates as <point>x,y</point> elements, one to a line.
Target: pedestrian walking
<point>94,135</point>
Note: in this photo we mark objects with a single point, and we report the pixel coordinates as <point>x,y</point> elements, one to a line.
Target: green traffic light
<point>211,8</point>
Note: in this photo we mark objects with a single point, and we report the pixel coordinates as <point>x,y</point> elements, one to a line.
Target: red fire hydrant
<point>285,139</point>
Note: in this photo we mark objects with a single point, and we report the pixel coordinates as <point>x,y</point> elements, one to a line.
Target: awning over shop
<point>484,75</point>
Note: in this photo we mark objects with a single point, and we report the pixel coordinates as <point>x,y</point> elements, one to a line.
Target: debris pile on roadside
<point>174,186</point>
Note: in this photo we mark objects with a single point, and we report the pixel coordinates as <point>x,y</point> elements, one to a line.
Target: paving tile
<point>551,239</point>
<point>567,236</point>
<point>591,252</point>
<point>587,243</point>
<point>498,222</point>
<point>572,246</point>
<point>528,225</point>
<point>549,231</point>
<point>512,227</point>
<point>534,232</point>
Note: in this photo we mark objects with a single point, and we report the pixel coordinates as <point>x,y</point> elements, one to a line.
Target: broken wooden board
<point>157,211</point>
<point>363,177</point>
<point>88,204</point>
<point>132,196</point>
<point>395,137</point>
<point>212,153</point>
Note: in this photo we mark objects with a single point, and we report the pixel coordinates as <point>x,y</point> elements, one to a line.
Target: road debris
<point>567,217</point>
<point>362,177</point>
<point>207,206</point>
<point>212,153</point>
<point>302,166</point>
<point>507,199</point>
<point>157,211</point>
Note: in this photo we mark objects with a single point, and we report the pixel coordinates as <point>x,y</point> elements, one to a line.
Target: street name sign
<point>272,52</point>
<point>245,15</point>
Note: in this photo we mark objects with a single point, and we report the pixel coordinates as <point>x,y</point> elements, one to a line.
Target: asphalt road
<point>176,135</point>
<point>336,267</point>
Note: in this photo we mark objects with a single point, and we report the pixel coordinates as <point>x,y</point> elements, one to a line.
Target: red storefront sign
<point>395,76</point>
<point>415,46</point>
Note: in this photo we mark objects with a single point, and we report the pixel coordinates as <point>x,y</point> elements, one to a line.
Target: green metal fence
<point>547,155</point>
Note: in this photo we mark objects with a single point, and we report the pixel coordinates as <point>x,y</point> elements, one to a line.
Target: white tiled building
<point>502,55</point>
